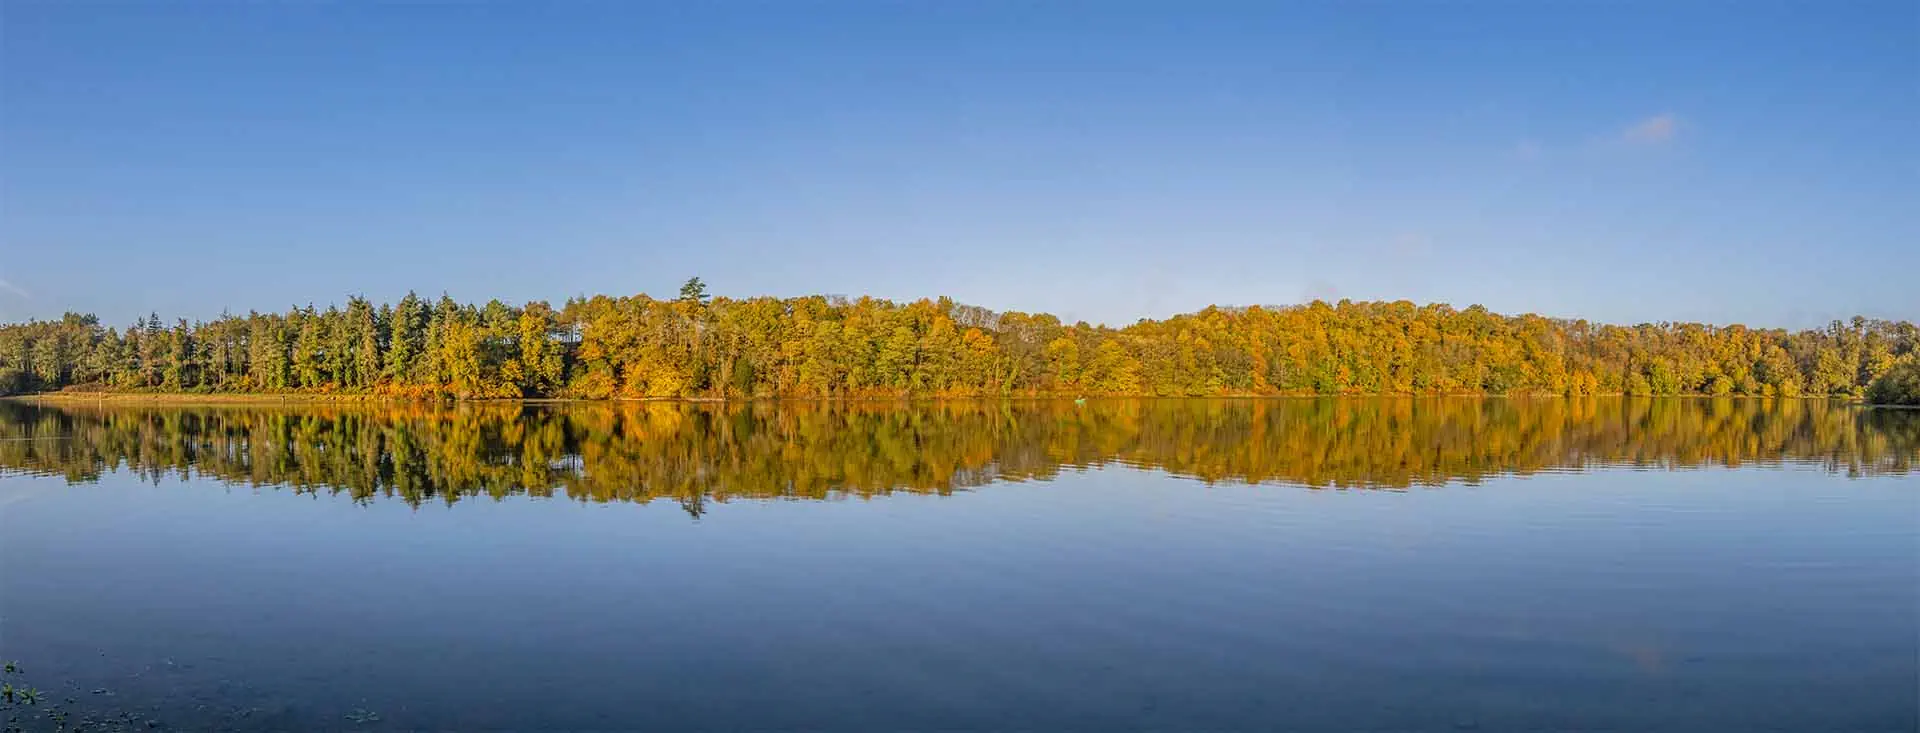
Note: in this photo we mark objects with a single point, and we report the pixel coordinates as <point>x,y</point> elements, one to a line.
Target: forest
<point>696,346</point>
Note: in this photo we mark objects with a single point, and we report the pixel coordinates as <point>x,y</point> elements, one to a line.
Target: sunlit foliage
<point>715,347</point>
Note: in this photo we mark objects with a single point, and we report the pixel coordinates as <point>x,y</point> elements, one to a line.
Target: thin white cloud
<point>15,289</point>
<point>1653,130</point>
<point>1526,150</point>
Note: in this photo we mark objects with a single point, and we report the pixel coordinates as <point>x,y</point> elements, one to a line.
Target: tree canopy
<point>699,346</point>
<point>1899,385</point>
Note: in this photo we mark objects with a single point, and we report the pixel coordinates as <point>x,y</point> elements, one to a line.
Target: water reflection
<point>694,453</point>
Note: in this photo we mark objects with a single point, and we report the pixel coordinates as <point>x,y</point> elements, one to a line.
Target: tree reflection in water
<point>694,453</point>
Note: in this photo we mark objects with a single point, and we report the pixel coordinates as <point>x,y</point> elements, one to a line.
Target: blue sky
<point>1107,161</point>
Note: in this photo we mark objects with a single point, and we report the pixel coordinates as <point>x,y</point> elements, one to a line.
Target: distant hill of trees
<point>696,346</point>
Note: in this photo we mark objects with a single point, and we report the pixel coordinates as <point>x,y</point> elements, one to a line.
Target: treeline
<point>694,346</point>
<point>693,453</point>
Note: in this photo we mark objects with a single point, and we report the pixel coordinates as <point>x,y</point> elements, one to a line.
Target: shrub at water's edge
<point>1899,386</point>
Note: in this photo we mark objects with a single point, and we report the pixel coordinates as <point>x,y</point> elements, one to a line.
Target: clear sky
<point>1717,161</point>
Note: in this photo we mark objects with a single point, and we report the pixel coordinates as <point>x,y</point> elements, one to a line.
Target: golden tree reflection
<point>693,453</point>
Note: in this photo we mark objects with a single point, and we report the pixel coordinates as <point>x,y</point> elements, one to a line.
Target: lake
<point>1313,564</point>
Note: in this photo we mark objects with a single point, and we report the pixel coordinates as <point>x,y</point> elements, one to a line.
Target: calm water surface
<point>1440,564</point>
